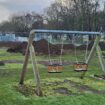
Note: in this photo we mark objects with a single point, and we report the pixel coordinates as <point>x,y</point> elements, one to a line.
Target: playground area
<point>64,87</point>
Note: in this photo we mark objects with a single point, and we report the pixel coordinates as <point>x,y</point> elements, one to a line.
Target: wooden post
<point>24,69</point>
<point>92,53</point>
<point>102,63</point>
<point>93,49</point>
<point>35,71</point>
<point>30,49</point>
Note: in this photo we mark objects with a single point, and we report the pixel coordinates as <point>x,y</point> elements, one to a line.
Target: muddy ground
<point>62,88</point>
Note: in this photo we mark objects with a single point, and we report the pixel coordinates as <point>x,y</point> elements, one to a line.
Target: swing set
<point>57,66</point>
<point>54,67</point>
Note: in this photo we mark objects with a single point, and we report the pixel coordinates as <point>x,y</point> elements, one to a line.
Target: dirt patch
<point>64,63</point>
<point>25,89</point>
<point>48,89</point>
<point>14,61</point>
<point>2,63</point>
<point>62,90</point>
<point>19,48</point>
<point>45,63</point>
<point>65,87</point>
<point>9,44</point>
<point>102,77</point>
<point>41,47</point>
<point>84,87</point>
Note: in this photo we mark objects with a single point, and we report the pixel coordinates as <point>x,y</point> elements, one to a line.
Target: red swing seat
<point>55,68</point>
<point>80,67</point>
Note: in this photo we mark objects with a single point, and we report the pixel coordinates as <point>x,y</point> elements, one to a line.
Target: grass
<point>9,77</point>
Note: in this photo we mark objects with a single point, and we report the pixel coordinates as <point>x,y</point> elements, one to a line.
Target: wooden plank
<point>101,60</point>
<point>93,49</point>
<point>35,71</point>
<point>91,53</point>
<point>24,69</point>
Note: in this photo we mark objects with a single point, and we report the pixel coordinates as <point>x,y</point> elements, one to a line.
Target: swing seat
<point>55,68</point>
<point>80,66</point>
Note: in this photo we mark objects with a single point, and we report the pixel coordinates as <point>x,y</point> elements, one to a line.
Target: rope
<point>61,50</point>
<point>86,53</point>
<point>75,50</point>
<point>76,54</point>
<point>50,60</point>
<point>49,52</point>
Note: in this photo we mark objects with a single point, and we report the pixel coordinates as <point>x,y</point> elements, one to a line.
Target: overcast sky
<point>8,7</point>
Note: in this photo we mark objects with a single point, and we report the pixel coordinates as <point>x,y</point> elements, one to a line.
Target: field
<point>64,88</point>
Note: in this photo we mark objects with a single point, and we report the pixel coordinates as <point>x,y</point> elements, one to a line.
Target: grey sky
<point>7,7</point>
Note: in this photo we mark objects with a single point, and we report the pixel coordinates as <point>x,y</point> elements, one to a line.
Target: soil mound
<point>9,44</point>
<point>19,48</point>
<point>41,47</point>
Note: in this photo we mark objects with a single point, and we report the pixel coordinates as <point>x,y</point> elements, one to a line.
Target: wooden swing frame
<point>30,51</point>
